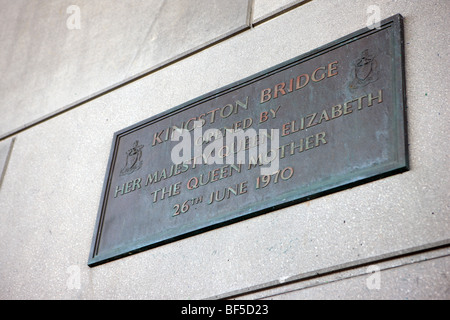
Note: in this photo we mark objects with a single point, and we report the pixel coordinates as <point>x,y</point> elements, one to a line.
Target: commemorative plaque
<point>319,123</point>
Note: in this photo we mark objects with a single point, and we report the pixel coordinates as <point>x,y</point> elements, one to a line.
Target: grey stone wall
<point>67,85</point>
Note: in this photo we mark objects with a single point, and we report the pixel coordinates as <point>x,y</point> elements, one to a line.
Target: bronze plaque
<point>319,123</point>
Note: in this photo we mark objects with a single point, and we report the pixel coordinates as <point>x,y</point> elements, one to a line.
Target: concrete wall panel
<point>58,52</point>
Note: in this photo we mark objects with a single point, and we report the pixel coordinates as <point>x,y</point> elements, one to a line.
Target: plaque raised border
<point>354,132</point>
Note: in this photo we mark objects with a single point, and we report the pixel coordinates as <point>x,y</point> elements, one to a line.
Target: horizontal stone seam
<point>280,11</point>
<point>354,275</point>
<point>250,23</point>
<point>125,82</point>
<point>333,270</point>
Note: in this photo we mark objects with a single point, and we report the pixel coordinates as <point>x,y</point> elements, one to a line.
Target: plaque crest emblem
<point>365,70</point>
<point>133,162</point>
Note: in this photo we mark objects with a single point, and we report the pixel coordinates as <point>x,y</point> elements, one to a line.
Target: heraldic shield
<point>133,162</point>
<point>365,71</point>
